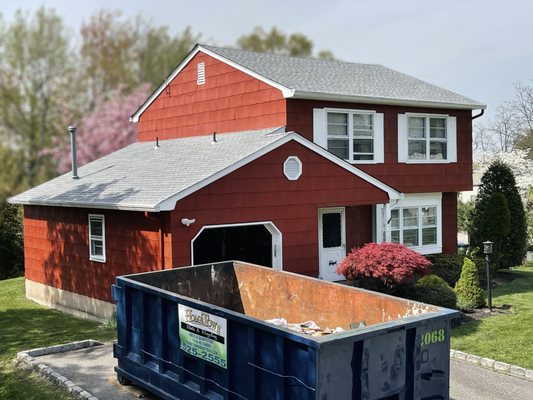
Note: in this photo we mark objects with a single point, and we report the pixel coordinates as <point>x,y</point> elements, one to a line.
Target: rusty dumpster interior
<point>265,294</point>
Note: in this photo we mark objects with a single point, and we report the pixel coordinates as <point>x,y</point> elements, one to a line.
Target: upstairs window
<point>353,135</point>
<point>96,238</point>
<point>425,138</point>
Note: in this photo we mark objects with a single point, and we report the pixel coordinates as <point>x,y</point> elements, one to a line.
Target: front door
<point>331,242</point>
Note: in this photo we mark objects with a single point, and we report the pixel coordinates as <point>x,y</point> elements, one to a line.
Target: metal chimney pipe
<point>72,130</point>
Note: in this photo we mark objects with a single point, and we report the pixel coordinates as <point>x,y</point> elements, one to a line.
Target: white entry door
<point>331,242</point>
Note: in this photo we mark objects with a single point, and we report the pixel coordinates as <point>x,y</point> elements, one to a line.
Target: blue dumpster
<point>201,332</point>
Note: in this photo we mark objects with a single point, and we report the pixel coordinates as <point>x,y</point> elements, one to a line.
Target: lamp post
<point>487,249</point>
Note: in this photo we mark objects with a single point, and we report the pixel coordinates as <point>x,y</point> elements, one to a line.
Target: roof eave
<point>100,206</point>
<point>307,95</point>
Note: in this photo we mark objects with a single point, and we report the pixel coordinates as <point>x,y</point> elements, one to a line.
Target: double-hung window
<point>426,138</point>
<point>414,226</point>
<point>96,238</point>
<point>353,135</point>
<point>415,221</point>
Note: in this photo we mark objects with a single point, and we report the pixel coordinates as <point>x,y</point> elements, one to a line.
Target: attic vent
<point>200,79</point>
<point>292,168</point>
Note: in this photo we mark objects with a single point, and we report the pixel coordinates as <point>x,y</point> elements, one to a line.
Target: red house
<point>286,162</point>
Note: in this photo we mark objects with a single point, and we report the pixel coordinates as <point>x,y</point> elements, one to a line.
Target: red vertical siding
<point>229,101</point>
<point>406,178</point>
<point>56,248</point>
<point>260,192</point>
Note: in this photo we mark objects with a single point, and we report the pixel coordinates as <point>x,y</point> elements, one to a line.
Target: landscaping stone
<point>487,363</point>
<point>473,359</point>
<point>501,366</point>
<point>517,371</point>
<point>529,374</point>
<point>460,355</point>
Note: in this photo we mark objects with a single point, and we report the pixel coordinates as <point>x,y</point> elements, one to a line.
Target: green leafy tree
<point>277,42</point>
<point>469,293</point>
<point>11,242</point>
<point>493,224</point>
<point>464,215</point>
<point>500,179</point>
<point>35,72</point>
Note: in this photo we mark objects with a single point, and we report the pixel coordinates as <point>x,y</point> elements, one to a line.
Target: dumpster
<point>213,332</point>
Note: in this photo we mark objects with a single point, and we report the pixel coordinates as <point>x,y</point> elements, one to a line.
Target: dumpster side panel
<point>262,364</point>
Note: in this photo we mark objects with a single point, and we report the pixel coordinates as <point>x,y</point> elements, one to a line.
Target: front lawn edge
<point>496,366</point>
<point>26,360</point>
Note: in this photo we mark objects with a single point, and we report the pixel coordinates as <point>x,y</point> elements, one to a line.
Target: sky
<point>477,48</point>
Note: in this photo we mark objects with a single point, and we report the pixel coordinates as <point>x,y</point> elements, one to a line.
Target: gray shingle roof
<point>320,79</point>
<point>140,177</point>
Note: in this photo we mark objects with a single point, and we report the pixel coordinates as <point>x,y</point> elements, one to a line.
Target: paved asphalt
<point>92,369</point>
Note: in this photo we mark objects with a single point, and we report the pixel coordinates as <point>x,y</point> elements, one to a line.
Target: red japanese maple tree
<point>392,263</point>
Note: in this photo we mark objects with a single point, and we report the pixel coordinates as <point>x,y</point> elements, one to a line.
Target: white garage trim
<point>277,255</point>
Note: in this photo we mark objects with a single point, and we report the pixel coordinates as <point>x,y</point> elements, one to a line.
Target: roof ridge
<point>210,47</point>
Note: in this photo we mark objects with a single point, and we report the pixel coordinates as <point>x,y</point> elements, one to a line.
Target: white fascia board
<point>99,206</point>
<point>170,203</point>
<point>135,117</point>
<point>299,94</point>
<point>392,193</point>
<point>287,92</point>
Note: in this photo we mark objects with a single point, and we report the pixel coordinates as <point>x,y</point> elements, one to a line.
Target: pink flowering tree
<point>391,263</point>
<point>104,130</point>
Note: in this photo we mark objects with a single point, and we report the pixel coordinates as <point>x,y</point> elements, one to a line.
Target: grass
<point>504,337</point>
<point>25,325</point>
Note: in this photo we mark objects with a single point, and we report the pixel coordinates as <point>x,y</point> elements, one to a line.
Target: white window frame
<point>403,138</point>
<point>321,132</point>
<point>97,257</point>
<point>383,227</point>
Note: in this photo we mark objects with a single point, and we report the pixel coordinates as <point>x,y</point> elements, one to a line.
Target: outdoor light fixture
<point>187,221</point>
<point>487,249</point>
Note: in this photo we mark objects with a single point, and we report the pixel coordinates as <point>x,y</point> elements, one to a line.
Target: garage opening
<point>257,243</point>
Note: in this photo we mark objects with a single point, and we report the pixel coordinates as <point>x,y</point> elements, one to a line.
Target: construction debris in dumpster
<point>307,327</point>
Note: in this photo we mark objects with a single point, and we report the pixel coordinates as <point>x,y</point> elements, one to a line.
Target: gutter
<point>306,95</point>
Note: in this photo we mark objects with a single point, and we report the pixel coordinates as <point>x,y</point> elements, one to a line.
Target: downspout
<point>478,115</point>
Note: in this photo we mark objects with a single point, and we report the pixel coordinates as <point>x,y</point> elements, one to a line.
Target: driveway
<point>92,369</point>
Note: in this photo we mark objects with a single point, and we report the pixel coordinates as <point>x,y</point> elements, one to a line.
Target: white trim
<point>95,257</point>
<point>277,240</point>
<point>320,132</point>
<point>321,212</point>
<point>383,213</point>
<point>287,92</point>
<point>403,138</point>
<point>170,203</point>
<point>307,95</point>
<point>300,169</point>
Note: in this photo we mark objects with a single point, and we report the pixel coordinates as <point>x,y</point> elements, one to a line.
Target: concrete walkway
<point>92,369</point>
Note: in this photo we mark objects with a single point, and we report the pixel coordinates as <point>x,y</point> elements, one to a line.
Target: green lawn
<point>25,325</point>
<point>505,338</point>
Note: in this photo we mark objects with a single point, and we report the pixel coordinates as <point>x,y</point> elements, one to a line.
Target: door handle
<point>332,262</point>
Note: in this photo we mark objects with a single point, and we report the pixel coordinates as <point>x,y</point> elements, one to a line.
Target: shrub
<point>390,263</point>
<point>500,179</point>
<point>432,289</point>
<point>11,242</point>
<point>469,293</point>
<point>447,266</point>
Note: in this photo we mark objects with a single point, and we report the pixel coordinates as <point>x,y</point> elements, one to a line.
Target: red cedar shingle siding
<point>406,178</point>
<point>260,192</point>
<point>229,101</point>
<point>56,248</point>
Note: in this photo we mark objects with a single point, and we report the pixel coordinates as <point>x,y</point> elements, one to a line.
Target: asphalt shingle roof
<point>141,177</point>
<point>371,81</point>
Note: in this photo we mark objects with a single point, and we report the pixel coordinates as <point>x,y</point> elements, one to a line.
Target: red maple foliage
<point>392,263</point>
